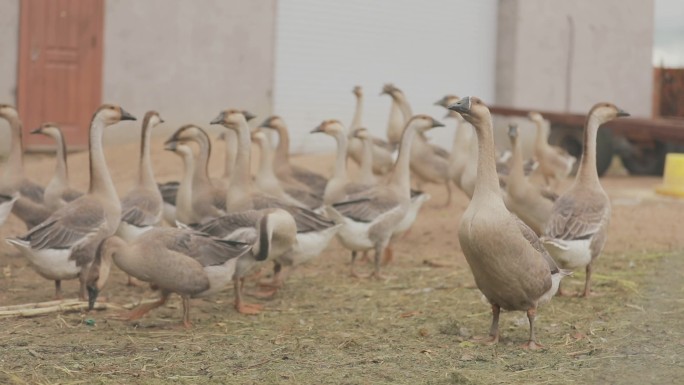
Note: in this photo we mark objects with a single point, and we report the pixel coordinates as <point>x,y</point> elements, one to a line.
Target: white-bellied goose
<point>267,181</point>
<point>370,217</point>
<point>509,263</point>
<point>57,192</point>
<point>381,151</point>
<point>314,231</point>
<point>63,246</point>
<point>555,163</point>
<point>27,196</point>
<point>286,172</point>
<point>577,229</point>
<point>522,198</point>
<point>208,200</point>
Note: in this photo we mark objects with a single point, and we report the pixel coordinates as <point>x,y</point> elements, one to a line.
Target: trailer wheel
<point>646,161</point>
<point>571,139</point>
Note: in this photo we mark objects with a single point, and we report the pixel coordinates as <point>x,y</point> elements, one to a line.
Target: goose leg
<point>532,343</point>
<point>448,188</point>
<point>389,255</point>
<point>493,337</point>
<point>58,289</point>
<point>141,310</point>
<point>377,255</point>
<point>186,312</point>
<point>587,282</point>
<point>352,270</point>
<point>133,282</point>
<point>241,307</point>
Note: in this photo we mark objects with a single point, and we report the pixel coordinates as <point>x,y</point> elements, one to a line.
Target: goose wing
<point>206,250</point>
<point>240,226</point>
<point>169,190</point>
<point>141,208</point>
<point>570,221</point>
<point>534,240</point>
<point>306,220</point>
<point>366,207</point>
<point>32,191</point>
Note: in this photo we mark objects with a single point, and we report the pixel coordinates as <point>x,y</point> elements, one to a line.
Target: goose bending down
<point>371,217</point>
<point>290,174</point>
<point>339,187</point>
<point>22,196</point>
<point>64,245</point>
<point>57,192</point>
<point>555,163</point>
<point>509,263</point>
<point>528,202</point>
<point>577,229</point>
<point>314,231</point>
<point>208,200</point>
<point>267,181</point>
<point>429,163</point>
<point>192,264</point>
<point>382,159</point>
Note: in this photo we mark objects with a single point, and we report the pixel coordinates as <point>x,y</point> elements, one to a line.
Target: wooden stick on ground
<point>64,306</point>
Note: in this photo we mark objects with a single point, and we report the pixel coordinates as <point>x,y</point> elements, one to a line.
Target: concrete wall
<point>9,46</point>
<point>189,59</point>
<point>612,54</point>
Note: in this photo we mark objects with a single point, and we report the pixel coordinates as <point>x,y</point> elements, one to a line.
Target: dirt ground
<point>325,327</point>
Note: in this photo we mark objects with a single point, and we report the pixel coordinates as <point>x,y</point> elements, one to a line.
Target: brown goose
<point>576,231</point>
<point>63,246</point>
<point>192,263</point>
<point>28,205</point>
<point>508,261</point>
<point>286,172</point>
<point>183,213</point>
<point>522,198</point>
<point>381,159</point>
<point>555,163</point>
<point>371,217</point>
<point>57,192</point>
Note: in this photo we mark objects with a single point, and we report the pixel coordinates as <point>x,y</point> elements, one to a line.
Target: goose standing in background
<point>577,229</point>
<point>555,163</point>
<point>57,192</point>
<point>528,202</point>
<point>17,193</point>
<point>395,122</point>
<point>183,215</point>
<point>382,159</point>
<point>290,174</point>
<point>229,138</point>
<point>508,262</point>
<point>370,217</point>
<point>64,245</point>
<point>366,175</point>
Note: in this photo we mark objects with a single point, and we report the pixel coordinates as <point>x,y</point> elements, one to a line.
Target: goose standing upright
<point>522,198</point>
<point>555,163</point>
<point>371,217</point>
<point>577,229</point>
<point>57,193</point>
<point>183,201</point>
<point>366,175</point>
<point>286,172</point>
<point>508,262</point>
<point>229,158</point>
<point>64,245</point>
<point>381,159</point>
<point>17,193</point>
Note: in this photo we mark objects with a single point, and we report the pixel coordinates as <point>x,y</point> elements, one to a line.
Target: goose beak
<point>248,115</point>
<point>513,130</point>
<point>161,120</point>
<point>126,116</point>
<point>37,131</point>
<point>436,123</point>
<point>170,146</point>
<point>462,106</point>
<point>266,123</point>
<point>219,119</point>
<point>622,112</point>
<point>92,296</point>
<point>441,102</point>
<point>318,129</point>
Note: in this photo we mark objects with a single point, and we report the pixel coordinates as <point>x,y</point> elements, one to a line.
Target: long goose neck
<point>184,196</point>
<point>241,181</point>
<point>587,172</point>
<point>540,138</point>
<point>282,155</point>
<point>14,169</point>
<point>201,174</point>
<point>487,184</point>
<point>61,169</point>
<point>101,183</point>
<point>266,161</point>
<point>340,172</point>
<point>145,172</point>
<point>517,171</point>
<point>358,114</point>
<point>404,106</point>
<point>366,173</point>
<point>401,176</point>
<point>231,149</point>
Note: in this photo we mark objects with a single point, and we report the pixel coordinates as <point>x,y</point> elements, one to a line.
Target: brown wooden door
<point>60,67</point>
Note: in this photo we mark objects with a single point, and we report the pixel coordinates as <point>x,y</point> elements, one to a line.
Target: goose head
<point>445,102</point>
<point>233,119</point>
<point>8,112</point>
<point>422,123</point>
<point>605,112</point>
<point>273,122</point>
<point>187,133</point>
<point>472,108</point>
<point>152,119</point>
<point>513,132</point>
<point>47,129</point>
<point>332,127</point>
<point>111,114</point>
<point>535,117</point>
<point>361,133</point>
<point>182,150</point>
<point>358,91</point>
<point>389,89</point>
<point>259,137</point>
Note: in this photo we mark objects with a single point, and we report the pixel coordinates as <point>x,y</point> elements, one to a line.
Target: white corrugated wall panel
<point>427,48</point>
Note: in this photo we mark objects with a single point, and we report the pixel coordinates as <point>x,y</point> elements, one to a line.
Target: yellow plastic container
<point>673,178</point>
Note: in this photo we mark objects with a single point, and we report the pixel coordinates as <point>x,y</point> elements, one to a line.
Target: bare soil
<point>325,327</point>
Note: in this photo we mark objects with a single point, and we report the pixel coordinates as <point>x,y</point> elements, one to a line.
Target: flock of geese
<point>517,237</point>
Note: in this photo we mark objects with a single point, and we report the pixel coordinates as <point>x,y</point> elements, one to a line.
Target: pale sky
<point>668,45</point>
